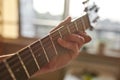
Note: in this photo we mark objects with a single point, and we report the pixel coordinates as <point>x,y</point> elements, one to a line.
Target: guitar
<point>26,62</point>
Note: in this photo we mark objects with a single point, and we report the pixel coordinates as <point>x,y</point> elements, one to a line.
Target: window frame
<point>43,21</point>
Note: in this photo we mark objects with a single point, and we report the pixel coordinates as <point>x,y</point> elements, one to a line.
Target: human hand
<point>73,43</point>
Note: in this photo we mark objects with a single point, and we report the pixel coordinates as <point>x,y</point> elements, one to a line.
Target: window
<point>38,17</point>
<point>76,8</point>
<point>110,38</point>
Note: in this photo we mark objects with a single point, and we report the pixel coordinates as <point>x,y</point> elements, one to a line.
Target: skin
<point>73,43</point>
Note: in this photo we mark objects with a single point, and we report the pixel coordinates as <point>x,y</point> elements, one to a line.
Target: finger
<point>86,37</point>
<point>76,38</point>
<point>69,45</point>
<point>66,21</point>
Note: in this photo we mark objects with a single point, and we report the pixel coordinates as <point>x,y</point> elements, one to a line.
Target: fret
<point>23,65</point>
<point>60,33</point>
<point>34,57</point>
<point>72,27</point>
<point>86,21</point>
<point>44,51</point>
<point>48,46</point>
<point>39,54</point>
<point>5,73</point>
<point>84,26</point>
<point>68,29</point>
<point>17,68</point>
<point>28,61</point>
<point>53,45</point>
<point>79,24</point>
<point>76,26</point>
<point>64,31</point>
<point>55,35</point>
<point>10,70</point>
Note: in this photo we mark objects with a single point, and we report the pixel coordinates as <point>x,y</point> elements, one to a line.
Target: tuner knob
<point>96,10</point>
<point>91,28</point>
<point>93,7</point>
<point>86,9</point>
<point>95,20</point>
<point>84,2</point>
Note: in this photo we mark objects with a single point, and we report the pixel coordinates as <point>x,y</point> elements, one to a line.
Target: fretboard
<point>26,62</point>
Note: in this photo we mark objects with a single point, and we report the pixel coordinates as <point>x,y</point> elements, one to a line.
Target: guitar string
<point>28,61</point>
<point>43,62</point>
<point>39,51</point>
<point>11,68</point>
<point>25,59</point>
<point>27,56</point>
<point>5,74</point>
<point>68,25</point>
<point>16,64</point>
<point>82,19</point>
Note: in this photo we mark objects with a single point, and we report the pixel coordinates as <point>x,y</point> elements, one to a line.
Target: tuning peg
<point>96,10</point>
<point>95,20</point>
<point>91,28</point>
<point>84,2</point>
<point>86,9</point>
<point>94,6</point>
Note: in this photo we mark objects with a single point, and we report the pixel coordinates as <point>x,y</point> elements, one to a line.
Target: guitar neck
<point>26,62</point>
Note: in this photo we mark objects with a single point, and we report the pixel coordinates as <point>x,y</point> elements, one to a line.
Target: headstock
<point>91,9</point>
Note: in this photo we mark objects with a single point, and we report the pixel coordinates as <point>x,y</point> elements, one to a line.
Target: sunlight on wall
<point>10,10</point>
<point>10,19</point>
<point>0,29</point>
<point>10,31</point>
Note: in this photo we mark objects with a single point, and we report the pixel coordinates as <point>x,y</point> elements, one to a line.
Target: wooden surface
<point>101,65</point>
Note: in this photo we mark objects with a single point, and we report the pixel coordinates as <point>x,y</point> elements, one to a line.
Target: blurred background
<point>24,21</point>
